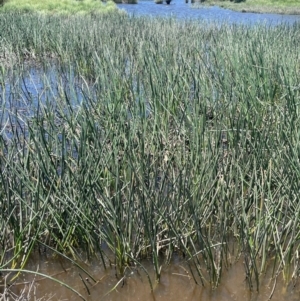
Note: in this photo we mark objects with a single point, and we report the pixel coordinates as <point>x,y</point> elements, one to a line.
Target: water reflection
<point>27,93</point>
<point>176,283</point>
<point>180,9</point>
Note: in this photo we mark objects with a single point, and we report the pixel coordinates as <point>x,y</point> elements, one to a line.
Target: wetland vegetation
<point>150,138</point>
<point>58,6</point>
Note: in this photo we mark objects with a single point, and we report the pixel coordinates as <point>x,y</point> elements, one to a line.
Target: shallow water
<point>180,9</point>
<point>176,283</point>
<point>27,93</point>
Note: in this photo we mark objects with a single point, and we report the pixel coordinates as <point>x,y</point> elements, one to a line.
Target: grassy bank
<point>149,138</point>
<point>59,6</point>
<point>291,7</point>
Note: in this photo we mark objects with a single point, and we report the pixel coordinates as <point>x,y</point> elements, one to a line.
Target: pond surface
<point>180,9</point>
<point>176,283</point>
<point>33,90</point>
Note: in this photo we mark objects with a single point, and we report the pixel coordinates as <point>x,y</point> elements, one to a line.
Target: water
<point>180,9</point>
<point>34,90</point>
<point>176,283</point>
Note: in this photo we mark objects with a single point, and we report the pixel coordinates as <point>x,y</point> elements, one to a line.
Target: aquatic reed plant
<point>129,138</point>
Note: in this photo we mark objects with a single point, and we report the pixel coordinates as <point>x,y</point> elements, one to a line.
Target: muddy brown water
<point>176,283</point>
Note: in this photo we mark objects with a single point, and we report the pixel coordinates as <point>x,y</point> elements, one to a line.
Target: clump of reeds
<point>151,137</point>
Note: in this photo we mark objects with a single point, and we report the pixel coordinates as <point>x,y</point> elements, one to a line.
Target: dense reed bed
<point>129,138</point>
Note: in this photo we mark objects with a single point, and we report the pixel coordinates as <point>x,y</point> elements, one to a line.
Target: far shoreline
<point>247,7</point>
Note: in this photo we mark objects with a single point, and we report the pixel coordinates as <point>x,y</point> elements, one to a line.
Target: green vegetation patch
<point>59,6</point>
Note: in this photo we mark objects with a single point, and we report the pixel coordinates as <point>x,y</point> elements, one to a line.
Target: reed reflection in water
<point>176,283</point>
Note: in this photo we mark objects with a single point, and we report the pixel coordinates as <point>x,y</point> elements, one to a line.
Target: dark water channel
<point>176,284</point>
<point>182,10</point>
